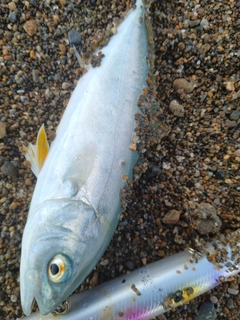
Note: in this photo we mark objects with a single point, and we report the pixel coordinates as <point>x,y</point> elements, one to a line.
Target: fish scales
<point>76,202</point>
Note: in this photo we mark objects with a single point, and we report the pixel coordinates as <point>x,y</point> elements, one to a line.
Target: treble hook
<point>63,308</point>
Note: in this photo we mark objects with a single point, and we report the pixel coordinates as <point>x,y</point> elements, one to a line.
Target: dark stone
<point>219,174</point>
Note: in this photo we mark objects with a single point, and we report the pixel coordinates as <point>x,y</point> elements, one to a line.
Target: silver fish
<point>76,202</point>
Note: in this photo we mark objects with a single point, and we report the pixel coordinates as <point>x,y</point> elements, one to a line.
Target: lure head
<point>59,249</point>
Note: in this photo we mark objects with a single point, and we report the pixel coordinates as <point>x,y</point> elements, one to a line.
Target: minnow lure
<point>152,290</point>
<point>76,202</point>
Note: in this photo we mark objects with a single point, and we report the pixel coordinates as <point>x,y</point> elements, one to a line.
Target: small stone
<point>206,311</point>
<point>94,280</point>
<point>181,46</point>
<point>13,205</point>
<point>183,84</point>
<point>74,37</point>
<point>12,17</point>
<point>5,51</point>
<point>161,253</point>
<point>129,265</point>
<point>237,153</point>
<point>230,303</point>
<point>172,217</point>
<point>214,299</point>
<point>57,76</point>
<point>13,298</point>
<point>104,262</point>
<point>204,23</point>
<point>235,115</point>
<point>30,27</point>
<point>193,23</point>
<point>12,6</point>
<point>4,199</point>
<point>9,169</point>
<point>28,182</point>
<point>35,75</point>
<point>3,131</point>
<point>63,48</point>
<point>233,291</point>
<point>230,86</point>
<point>207,220</point>
<point>66,85</point>
<point>133,147</point>
<point>230,123</point>
<point>176,108</point>
<point>144,261</point>
<point>219,174</point>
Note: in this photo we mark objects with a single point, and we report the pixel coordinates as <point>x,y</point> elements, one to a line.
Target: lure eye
<point>59,268</point>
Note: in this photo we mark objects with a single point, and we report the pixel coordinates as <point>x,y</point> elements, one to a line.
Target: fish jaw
<point>32,290</point>
<point>27,297</point>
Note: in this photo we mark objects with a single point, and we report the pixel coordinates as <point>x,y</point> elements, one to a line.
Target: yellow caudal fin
<point>37,154</point>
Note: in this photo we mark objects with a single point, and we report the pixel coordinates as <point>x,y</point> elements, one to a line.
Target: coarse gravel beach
<point>186,186</point>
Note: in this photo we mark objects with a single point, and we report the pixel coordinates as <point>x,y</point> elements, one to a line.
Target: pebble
<point>12,17</point>
<point>230,123</point>
<point>74,37</point>
<point>104,262</point>
<point>183,84</point>
<point>233,291</point>
<point>172,217</point>
<point>3,130</point>
<point>12,6</point>
<point>206,312</point>
<point>9,169</point>
<point>176,108</point>
<point>204,22</point>
<point>130,265</point>
<point>66,85</point>
<point>62,48</point>
<point>237,153</point>
<point>193,23</point>
<point>235,115</point>
<point>207,219</point>
<point>214,299</point>
<point>30,27</point>
<point>35,75</point>
<point>230,86</point>
<point>95,279</point>
<point>13,205</point>
<point>181,46</point>
<point>219,174</point>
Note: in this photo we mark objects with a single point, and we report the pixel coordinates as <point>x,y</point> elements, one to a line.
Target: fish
<point>157,287</point>
<point>76,202</point>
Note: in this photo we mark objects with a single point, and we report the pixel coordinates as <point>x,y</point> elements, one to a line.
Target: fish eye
<point>59,268</point>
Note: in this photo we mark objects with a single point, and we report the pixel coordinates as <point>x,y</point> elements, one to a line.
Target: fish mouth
<point>31,292</point>
<point>27,300</point>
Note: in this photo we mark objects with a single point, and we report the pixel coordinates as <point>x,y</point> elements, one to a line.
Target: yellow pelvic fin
<point>37,154</point>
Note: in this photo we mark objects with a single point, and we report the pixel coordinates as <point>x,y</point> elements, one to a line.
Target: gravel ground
<point>189,138</point>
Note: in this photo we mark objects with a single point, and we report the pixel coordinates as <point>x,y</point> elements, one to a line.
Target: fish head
<point>57,252</point>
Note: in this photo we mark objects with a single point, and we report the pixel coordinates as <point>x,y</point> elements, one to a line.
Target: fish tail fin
<point>36,154</point>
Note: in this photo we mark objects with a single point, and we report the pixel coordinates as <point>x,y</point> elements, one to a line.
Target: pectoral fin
<point>37,154</point>
<point>79,170</point>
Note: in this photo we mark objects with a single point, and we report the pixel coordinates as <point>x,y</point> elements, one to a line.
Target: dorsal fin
<point>37,154</point>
